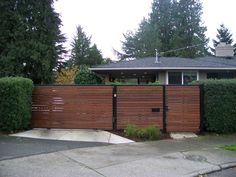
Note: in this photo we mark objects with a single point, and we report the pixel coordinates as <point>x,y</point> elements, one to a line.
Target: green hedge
<point>15,103</point>
<point>219,105</point>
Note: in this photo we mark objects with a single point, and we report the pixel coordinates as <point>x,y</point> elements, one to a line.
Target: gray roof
<point>171,63</point>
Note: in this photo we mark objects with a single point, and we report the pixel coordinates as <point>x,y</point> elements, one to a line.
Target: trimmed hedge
<point>219,105</point>
<point>15,103</point>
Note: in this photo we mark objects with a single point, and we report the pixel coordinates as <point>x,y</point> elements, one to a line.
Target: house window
<point>188,77</point>
<point>182,78</point>
<point>221,75</point>
<point>175,78</point>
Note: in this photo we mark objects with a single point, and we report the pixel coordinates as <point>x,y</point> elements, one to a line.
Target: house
<point>171,70</point>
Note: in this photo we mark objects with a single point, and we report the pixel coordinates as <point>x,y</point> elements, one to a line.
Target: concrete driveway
<point>166,158</point>
<point>85,135</point>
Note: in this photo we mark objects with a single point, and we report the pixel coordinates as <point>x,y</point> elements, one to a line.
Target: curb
<point>213,169</point>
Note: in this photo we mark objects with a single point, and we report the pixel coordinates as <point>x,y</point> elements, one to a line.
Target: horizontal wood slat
<point>72,107</point>
<point>92,107</point>
<point>134,106</point>
<point>183,113</point>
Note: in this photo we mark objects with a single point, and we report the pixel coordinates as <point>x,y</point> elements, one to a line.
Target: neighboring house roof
<point>149,63</point>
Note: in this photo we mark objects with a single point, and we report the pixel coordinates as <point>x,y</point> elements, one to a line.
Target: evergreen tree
<point>188,29</point>
<point>172,24</point>
<point>140,43</point>
<point>223,35</point>
<point>95,56</point>
<point>82,53</point>
<point>161,20</point>
<point>31,42</point>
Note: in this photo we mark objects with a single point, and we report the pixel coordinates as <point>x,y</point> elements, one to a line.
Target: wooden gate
<point>182,108</point>
<point>140,105</point>
<point>172,108</point>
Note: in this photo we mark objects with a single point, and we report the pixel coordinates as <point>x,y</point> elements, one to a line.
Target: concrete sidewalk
<point>166,158</point>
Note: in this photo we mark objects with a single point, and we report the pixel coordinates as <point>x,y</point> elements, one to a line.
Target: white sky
<point>107,20</point>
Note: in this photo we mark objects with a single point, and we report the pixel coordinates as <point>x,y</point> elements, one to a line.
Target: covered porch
<point>165,77</point>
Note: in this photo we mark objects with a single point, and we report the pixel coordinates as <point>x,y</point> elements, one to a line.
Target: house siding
<point>162,77</point>
<point>202,75</point>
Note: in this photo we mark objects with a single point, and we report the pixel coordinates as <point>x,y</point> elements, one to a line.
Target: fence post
<point>114,108</point>
<point>164,108</point>
<point>201,87</point>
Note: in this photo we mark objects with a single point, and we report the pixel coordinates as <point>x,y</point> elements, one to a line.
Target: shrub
<point>66,75</point>
<point>15,103</point>
<point>154,83</point>
<point>153,132</point>
<point>231,147</point>
<point>120,82</point>
<point>147,133</point>
<point>86,77</point>
<point>219,105</point>
<point>131,130</point>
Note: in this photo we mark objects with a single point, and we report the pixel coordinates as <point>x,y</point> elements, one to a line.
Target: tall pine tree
<point>223,35</point>
<point>172,24</point>
<point>82,52</point>
<point>139,44</point>
<point>31,41</point>
<point>161,20</point>
<point>188,29</point>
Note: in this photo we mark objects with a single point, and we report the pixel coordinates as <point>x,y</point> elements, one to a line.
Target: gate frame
<point>164,105</point>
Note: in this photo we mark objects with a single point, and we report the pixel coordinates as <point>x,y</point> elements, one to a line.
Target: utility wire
<point>183,48</point>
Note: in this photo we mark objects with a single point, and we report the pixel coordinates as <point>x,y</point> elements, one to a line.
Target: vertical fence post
<point>114,108</point>
<point>164,109</point>
<point>201,87</point>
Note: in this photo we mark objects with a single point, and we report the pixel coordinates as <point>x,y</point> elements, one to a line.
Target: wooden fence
<point>172,108</point>
<point>72,107</point>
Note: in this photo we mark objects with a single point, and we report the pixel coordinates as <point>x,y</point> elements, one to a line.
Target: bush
<point>15,103</point>
<point>147,133</point>
<point>66,75</point>
<point>230,147</point>
<point>131,130</point>
<point>154,83</point>
<point>86,77</point>
<point>219,105</point>
<point>153,132</point>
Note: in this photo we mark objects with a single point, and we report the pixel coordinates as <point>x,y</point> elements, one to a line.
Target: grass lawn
<point>231,147</point>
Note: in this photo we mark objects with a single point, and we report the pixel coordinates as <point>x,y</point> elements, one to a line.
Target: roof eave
<point>163,68</point>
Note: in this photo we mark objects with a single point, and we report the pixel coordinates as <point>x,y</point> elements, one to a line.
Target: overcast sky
<point>107,20</point>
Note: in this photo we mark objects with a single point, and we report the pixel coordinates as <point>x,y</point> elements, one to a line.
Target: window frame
<point>182,75</point>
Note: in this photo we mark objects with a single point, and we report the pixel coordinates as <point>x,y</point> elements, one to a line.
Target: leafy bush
<point>116,83</point>
<point>86,77</point>
<point>131,130</point>
<point>153,132</point>
<point>66,75</point>
<point>15,103</point>
<point>219,105</point>
<point>147,133</point>
<point>154,83</point>
<point>120,82</point>
<point>230,147</point>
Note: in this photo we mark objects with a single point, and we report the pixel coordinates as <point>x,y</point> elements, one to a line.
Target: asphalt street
<point>15,147</point>
<point>165,158</point>
<point>231,172</point>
